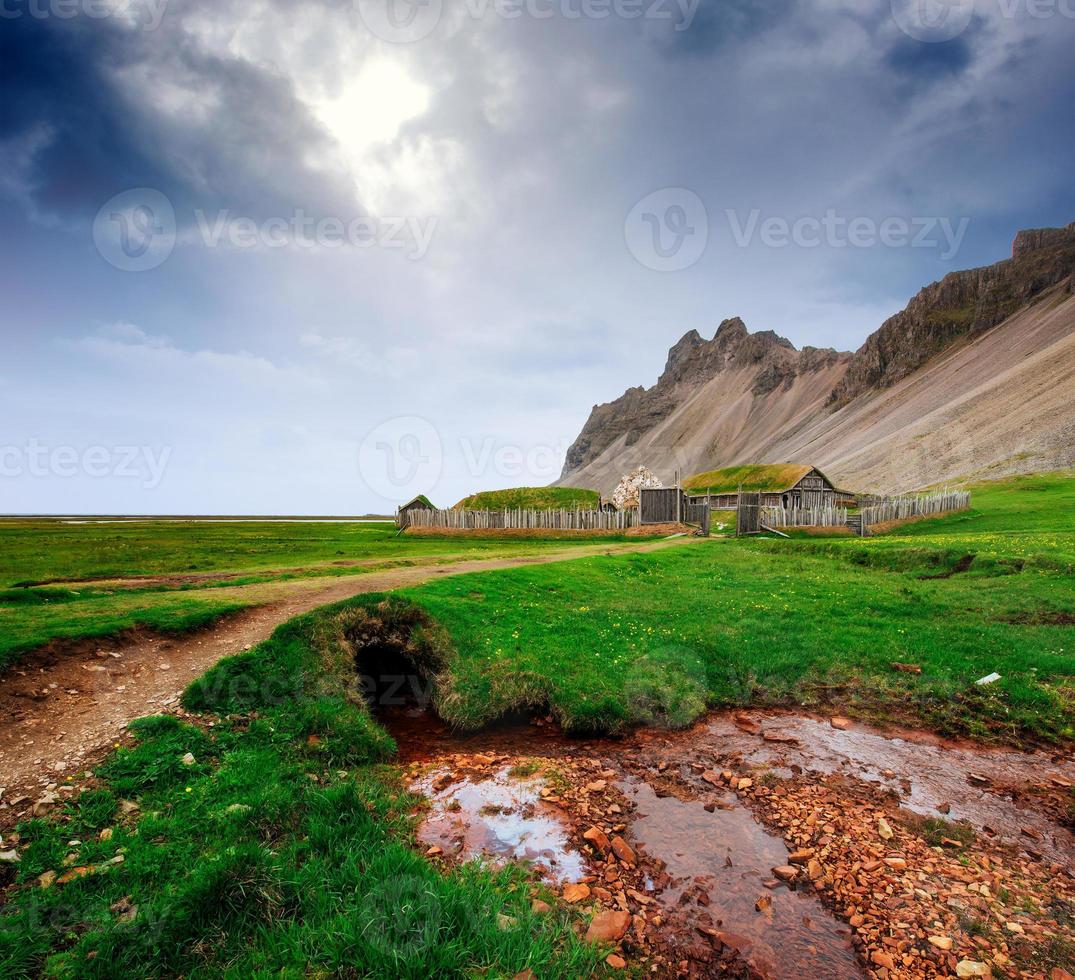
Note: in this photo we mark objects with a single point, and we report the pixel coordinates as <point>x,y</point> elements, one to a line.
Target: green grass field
<point>212,569</point>
<point>272,854</point>
<point>242,864</point>
<point>618,641</point>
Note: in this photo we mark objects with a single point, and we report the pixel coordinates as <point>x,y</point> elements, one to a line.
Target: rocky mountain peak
<point>1032,239</point>
<point>682,350</point>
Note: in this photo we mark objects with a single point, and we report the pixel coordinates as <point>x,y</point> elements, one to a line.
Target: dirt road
<point>61,707</point>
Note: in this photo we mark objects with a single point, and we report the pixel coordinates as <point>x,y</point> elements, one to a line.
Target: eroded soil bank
<point>770,845</point>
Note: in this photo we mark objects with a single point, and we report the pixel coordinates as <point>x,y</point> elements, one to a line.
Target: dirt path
<point>59,709</point>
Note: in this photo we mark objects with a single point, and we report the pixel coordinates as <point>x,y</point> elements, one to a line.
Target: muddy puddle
<point>499,817</point>
<point>722,861</point>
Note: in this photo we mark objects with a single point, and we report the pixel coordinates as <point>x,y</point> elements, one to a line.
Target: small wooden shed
<point>421,502</point>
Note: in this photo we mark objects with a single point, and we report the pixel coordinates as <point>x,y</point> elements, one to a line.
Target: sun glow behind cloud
<point>371,107</point>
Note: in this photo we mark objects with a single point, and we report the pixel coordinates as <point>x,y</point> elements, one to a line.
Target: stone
<point>785,872</point>
<point>941,942</point>
<point>608,926</point>
<point>599,839</point>
<point>763,903</point>
<point>880,958</point>
<point>840,723</point>
<point>971,968</point>
<point>46,880</point>
<point>188,759</point>
<point>616,962</point>
<point>800,856</point>
<point>9,857</point>
<point>883,829</point>
<point>505,923</point>
<point>575,893</point>
<point>896,863</point>
<point>623,851</point>
<point>745,783</point>
<point>538,907</point>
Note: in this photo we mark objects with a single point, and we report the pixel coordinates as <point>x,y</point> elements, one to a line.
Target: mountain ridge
<point>754,397</point>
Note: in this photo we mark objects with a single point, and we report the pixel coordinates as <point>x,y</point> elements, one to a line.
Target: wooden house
<point>780,484</point>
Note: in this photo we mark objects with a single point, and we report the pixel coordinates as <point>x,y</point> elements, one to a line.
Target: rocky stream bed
<point>769,845</point>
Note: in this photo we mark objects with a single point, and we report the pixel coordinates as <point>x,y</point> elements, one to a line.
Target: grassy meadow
<point>283,849</point>
<point>617,641</point>
<point>286,847</point>
<point>72,581</point>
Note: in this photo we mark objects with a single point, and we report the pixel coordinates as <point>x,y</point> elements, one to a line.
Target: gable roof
<point>766,477</point>
<point>422,500</point>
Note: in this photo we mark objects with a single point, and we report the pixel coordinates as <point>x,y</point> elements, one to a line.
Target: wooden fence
<point>915,505</point>
<point>748,516</point>
<point>548,520</point>
<point>661,505</point>
<point>824,515</point>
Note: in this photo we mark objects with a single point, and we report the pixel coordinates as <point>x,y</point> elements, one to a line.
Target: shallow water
<point>500,818</point>
<point>729,855</point>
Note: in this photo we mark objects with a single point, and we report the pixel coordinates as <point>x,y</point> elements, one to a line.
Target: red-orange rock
<point>608,926</point>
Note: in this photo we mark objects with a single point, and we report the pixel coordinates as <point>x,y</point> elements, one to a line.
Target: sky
<point>264,257</point>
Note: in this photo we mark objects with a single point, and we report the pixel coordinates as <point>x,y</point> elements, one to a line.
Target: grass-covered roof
<point>764,477</point>
<point>536,498</point>
<point>422,501</point>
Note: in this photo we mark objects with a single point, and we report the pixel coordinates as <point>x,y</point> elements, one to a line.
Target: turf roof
<point>766,477</point>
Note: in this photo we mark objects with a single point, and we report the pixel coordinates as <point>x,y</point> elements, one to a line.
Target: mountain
<point>976,376</point>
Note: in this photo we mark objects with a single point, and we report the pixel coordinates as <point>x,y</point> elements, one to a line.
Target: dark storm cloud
<point>85,94</point>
